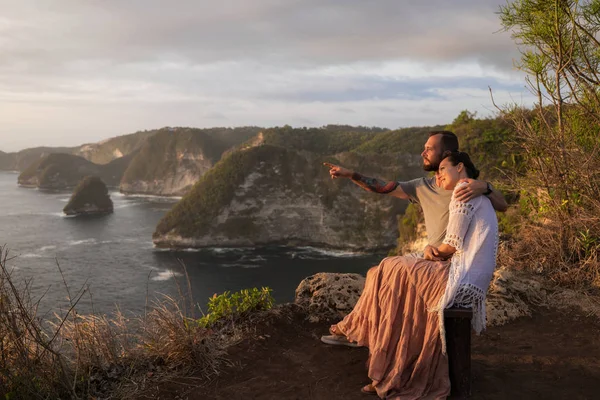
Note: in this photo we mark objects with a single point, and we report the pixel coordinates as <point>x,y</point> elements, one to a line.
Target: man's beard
<point>432,166</point>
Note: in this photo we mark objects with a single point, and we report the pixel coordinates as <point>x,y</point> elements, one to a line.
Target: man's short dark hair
<point>449,140</point>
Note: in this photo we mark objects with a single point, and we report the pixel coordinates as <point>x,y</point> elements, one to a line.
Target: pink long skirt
<point>391,318</point>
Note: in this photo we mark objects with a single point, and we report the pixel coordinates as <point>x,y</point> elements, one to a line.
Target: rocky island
<point>89,198</point>
<point>268,195</point>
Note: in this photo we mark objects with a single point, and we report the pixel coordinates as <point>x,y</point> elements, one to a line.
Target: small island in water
<point>89,198</point>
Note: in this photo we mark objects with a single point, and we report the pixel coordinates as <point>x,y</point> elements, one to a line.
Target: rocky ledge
<point>89,198</point>
<point>331,296</point>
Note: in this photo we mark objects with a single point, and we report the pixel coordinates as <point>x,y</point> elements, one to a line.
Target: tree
<point>559,138</point>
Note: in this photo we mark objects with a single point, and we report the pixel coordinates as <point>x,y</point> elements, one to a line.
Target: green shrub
<point>229,307</point>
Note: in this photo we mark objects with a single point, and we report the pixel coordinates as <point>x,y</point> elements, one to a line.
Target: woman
<point>399,316</point>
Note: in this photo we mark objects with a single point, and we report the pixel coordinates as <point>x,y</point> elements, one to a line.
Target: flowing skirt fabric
<point>393,320</point>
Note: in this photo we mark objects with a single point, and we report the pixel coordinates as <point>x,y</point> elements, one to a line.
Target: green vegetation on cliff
<point>169,148</point>
<point>269,194</point>
<point>89,197</point>
<point>62,171</point>
<point>329,139</point>
<point>24,158</point>
<point>405,140</point>
<point>194,213</point>
<point>486,140</point>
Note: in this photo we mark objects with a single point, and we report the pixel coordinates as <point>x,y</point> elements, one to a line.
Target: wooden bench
<point>458,347</point>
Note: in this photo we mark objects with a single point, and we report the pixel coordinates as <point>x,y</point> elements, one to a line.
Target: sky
<point>79,71</point>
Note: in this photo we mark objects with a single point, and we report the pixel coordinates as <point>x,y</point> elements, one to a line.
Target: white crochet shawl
<point>473,231</point>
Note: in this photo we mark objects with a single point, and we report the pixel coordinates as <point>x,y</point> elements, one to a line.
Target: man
<point>433,199</point>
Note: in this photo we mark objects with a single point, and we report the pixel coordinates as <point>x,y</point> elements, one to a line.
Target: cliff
<point>111,149</point>
<point>267,194</point>
<point>24,158</point>
<point>7,161</point>
<point>405,140</point>
<point>174,159</point>
<point>329,139</point>
<point>63,171</point>
<point>90,197</point>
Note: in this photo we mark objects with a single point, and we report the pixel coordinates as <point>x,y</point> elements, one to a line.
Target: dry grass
<point>555,252</point>
<point>81,356</point>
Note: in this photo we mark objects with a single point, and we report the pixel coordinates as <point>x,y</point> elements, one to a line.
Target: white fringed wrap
<point>473,232</point>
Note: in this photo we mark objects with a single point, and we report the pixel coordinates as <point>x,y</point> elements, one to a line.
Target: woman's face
<point>448,174</point>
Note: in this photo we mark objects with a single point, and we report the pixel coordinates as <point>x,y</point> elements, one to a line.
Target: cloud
<point>112,67</point>
<point>284,32</point>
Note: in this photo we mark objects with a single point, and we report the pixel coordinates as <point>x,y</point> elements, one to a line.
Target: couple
<point>399,315</point>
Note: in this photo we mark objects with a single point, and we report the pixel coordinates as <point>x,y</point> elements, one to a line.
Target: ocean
<point>113,259</point>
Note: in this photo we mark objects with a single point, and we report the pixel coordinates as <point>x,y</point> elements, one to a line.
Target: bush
<point>230,307</point>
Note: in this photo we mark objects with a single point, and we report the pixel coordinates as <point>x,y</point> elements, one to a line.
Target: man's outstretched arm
<point>371,184</point>
<point>475,188</point>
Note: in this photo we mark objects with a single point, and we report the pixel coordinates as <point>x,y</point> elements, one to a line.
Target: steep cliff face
<point>90,197</point>
<point>267,194</point>
<point>111,149</point>
<point>170,163</point>
<point>64,171</point>
<point>174,159</point>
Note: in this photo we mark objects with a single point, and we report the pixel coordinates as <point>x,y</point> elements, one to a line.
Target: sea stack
<point>89,198</point>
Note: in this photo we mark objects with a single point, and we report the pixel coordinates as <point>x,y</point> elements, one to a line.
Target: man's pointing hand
<point>335,171</point>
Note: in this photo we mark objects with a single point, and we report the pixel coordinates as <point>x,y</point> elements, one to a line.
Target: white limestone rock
<point>329,296</point>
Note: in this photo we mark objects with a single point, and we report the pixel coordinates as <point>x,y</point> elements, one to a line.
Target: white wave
<point>238,265</point>
<point>84,241</point>
<point>126,205</point>
<point>165,275</point>
<point>65,200</point>
<point>192,250</point>
<point>221,250</point>
<point>31,255</point>
<point>146,196</point>
<point>331,253</point>
<point>45,248</point>
<point>252,259</point>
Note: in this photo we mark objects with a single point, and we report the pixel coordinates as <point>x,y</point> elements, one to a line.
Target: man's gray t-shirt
<point>434,201</point>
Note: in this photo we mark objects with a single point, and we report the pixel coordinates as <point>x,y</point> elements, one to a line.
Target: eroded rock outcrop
<point>329,296</point>
<point>89,198</point>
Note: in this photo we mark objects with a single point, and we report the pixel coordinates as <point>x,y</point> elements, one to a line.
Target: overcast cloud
<point>81,70</point>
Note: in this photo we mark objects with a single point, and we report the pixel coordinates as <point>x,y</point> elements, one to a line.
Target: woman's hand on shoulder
<point>431,253</point>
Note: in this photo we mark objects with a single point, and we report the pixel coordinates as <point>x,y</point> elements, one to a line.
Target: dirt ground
<point>552,355</point>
